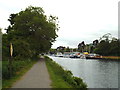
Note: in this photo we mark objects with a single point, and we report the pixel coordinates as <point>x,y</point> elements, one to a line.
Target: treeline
<point>108,48</point>
<point>105,46</point>
<point>31,32</point>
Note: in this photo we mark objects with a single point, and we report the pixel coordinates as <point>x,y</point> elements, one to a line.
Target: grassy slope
<point>62,78</point>
<point>57,80</point>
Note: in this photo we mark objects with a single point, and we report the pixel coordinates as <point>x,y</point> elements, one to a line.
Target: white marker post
<point>11,49</point>
<point>10,60</point>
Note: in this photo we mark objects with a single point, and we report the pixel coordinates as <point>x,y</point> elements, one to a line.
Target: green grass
<point>20,69</point>
<point>63,78</point>
<point>57,81</point>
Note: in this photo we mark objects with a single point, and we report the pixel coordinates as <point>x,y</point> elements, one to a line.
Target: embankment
<point>63,78</point>
<point>111,57</point>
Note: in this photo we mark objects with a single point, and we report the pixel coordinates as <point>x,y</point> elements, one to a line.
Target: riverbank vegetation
<point>63,78</point>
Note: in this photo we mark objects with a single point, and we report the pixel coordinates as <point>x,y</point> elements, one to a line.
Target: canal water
<point>95,73</point>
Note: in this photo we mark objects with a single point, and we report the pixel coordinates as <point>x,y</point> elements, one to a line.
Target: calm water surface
<point>95,73</point>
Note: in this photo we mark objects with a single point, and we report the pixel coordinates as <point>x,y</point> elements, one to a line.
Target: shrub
<point>5,72</point>
<point>79,82</point>
<point>16,66</point>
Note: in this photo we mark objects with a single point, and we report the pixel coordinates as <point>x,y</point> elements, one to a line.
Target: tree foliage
<point>81,46</point>
<point>108,48</point>
<point>31,32</point>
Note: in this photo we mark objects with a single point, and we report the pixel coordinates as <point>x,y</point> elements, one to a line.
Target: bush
<point>79,82</point>
<point>16,66</point>
<point>5,72</point>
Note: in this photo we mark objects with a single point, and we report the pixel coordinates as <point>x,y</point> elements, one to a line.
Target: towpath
<point>36,77</point>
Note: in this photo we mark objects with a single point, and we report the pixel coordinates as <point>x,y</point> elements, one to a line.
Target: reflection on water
<point>96,73</point>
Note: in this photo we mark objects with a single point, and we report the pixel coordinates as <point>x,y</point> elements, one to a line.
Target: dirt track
<point>36,77</point>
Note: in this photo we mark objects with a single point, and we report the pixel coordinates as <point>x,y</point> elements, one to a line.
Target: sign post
<point>10,60</point>
<point>11,49</point>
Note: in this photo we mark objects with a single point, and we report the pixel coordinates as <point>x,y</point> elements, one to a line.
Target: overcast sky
<point>79,20</point>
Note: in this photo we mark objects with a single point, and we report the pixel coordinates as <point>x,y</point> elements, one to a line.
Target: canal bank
<point>96,73</point>
<point>63,78</point>
<point>111,57</point>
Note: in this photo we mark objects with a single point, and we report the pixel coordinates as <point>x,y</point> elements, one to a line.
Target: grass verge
<point>7,83</point>
<point>63,78</point>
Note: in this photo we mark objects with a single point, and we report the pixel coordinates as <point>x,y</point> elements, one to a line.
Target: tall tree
<point>33,27</point>
<point>81,46</point>
<point>103,48</point>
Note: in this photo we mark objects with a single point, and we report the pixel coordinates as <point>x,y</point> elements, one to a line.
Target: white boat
<point>59,54</point>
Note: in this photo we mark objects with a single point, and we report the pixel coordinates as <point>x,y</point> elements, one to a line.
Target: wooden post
<point>10,67</point>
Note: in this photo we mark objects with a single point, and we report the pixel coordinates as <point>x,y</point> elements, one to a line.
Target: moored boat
<point>93,56</point>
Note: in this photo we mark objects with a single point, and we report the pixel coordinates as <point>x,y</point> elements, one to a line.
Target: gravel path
<point>36,77</point>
